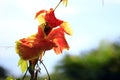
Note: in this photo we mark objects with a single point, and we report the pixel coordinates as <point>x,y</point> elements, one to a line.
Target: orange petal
<point>44,44</point>
<point>26,52</point>
<point>56,33</point>
<point>61,44</point>
<point>57,36</point>
<point>40,34</point>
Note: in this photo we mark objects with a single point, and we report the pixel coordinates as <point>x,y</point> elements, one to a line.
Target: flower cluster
<point>50,35</point>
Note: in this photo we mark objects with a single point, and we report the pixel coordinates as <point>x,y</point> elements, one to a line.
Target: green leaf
<point>23,65</point>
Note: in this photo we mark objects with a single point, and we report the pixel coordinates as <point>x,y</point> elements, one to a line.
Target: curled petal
<point>27,41</point>
<point>66,27</point>
<point>61,44</point>
<point>41,16</point>
<point>41,19</point>
<point>51,19</point>
<point>40,12</point>
<point>48,17</point>
<point>57,36</point>
<point>26,52</point>
<point>44,44</point>
<point>56,33</point>
<point>33,47</point>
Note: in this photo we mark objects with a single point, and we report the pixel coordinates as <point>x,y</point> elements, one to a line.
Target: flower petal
<point>40,12</point>
<point>41,19</point>
<point>51,19</point>
<point>56,33</point>
<point>66,27</point>
<point>33,46</point>
<point>61,44</point>
<point>57,36</point>
<point>26,52</point>
<point>40,34</point>
<point>41,16</point>
<point>65,2</point>
<point>44,44</point>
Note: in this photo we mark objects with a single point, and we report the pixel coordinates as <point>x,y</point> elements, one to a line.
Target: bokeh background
<point>96,26</point>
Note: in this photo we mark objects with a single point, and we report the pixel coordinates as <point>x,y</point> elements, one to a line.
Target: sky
<point>91,22</point>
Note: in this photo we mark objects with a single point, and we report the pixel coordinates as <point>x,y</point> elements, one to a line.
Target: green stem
<point>32,69</point>
<point>25,74</point>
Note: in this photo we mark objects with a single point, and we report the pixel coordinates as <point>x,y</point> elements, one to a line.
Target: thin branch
<point>37,71</point>
<point>45,69</point>
<point>57,5</point>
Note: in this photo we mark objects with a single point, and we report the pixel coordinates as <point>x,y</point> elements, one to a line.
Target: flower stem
<point>25,74</point>
<point>45,69</point>
<point>57,5</point>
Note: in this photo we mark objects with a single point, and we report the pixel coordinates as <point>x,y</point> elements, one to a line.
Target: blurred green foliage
<point>102,63</point>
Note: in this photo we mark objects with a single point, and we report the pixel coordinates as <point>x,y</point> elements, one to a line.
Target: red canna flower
<point>33,46</point>
<point>50,35</point>
<point>55,34</point>
<point>48,18</point>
